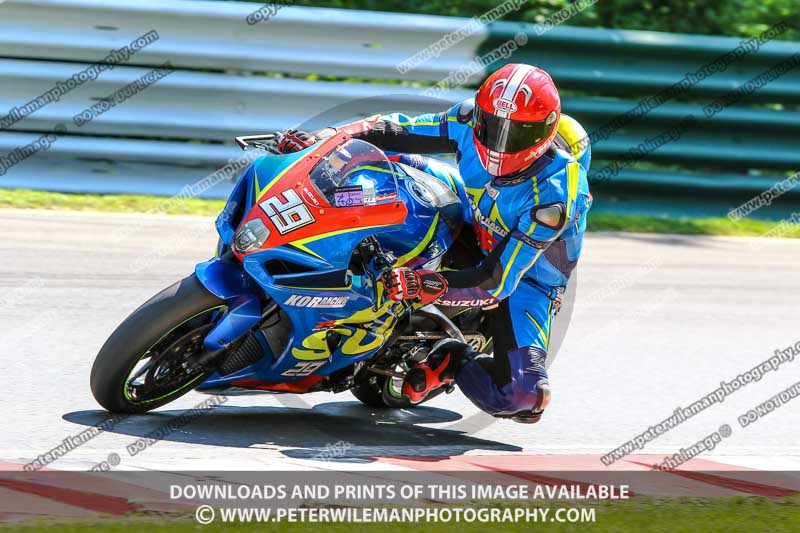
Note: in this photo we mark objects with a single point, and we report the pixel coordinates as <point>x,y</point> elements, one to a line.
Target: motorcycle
<point>293,300</point>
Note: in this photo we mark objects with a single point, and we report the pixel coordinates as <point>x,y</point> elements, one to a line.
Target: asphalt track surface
<point>658,322</point>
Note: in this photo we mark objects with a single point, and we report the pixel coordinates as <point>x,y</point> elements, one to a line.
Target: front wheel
<point>148,360</point>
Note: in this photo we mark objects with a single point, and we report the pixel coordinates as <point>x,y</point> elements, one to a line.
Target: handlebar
<point>270,144</point>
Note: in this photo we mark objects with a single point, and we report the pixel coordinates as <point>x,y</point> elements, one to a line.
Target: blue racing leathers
<point>530,228</point>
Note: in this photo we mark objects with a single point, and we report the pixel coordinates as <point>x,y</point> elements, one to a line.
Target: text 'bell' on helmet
<point>517,110</point>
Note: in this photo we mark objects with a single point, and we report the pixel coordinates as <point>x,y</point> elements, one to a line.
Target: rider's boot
<point>437,370</point>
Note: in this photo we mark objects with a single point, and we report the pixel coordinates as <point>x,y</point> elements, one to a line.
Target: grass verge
<point>110,203</point>
<point>692,226</point>
<point>640,514</point>
<point>128,203</point>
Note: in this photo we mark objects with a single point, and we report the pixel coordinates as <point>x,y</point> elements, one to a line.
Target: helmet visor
<point>507,135</point>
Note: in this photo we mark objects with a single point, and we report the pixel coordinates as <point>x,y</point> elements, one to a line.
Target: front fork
<point>228,281</point>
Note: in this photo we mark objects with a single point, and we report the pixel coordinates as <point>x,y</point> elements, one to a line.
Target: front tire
<point>166,333</point>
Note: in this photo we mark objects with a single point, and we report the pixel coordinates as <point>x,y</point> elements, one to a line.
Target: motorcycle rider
<point>524,165</point>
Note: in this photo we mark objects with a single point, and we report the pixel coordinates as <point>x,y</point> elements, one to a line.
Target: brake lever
<point>374,279</point>
<point>373,254</point>
<point>268,148</point>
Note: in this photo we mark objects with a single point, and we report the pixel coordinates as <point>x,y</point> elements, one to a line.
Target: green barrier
<point>639,63</point>
<point>688,194</point>
<point>638,88</point>
<point>735,138</point>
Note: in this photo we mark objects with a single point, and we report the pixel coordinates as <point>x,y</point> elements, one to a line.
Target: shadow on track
<point>305,433</point>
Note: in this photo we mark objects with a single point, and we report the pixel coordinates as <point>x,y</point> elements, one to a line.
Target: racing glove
<point>423,286</point>
<point>295,140</point>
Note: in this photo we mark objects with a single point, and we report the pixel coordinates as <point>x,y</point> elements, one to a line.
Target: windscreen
<point>355,173</point>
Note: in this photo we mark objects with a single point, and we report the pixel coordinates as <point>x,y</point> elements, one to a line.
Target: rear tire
<point>178,311</point>
<point>366,394</point>
<point>380,396</point>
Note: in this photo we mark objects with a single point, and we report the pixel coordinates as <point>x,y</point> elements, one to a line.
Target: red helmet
<point>517,110</point>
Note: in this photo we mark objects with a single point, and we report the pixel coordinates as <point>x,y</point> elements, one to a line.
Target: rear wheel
<point>369,394</point>
<point>150,358</point>
<point>387,392</point>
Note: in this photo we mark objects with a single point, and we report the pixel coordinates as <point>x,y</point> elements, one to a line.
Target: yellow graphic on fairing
<point>259,191</point>
<point>426,240</point>
<point>301,243</point>
<point>367,324</point>
<point>315,346</point>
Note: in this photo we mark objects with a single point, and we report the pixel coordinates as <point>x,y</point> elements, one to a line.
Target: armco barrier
<point>227,82</point>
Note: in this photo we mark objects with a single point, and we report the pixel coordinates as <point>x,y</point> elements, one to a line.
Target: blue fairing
<point>320,295</point>
<point>227,280</point>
